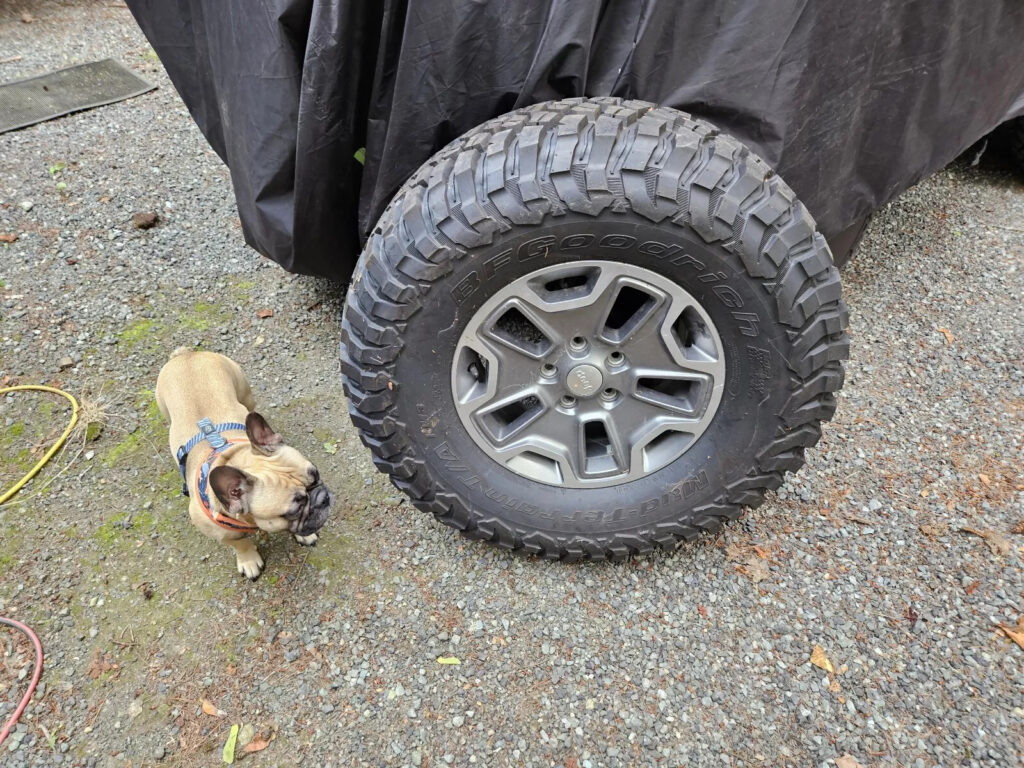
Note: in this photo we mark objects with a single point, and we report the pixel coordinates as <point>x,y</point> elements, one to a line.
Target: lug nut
<point>616,358</point>
<point>609,394</point>
<point>568,401</point>
<point>577,343</point>
<point>548,370</point>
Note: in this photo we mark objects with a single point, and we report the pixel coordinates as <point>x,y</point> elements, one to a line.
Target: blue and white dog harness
<point>211,433</point>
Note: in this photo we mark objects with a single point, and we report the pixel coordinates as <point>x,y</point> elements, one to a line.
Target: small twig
<point>10,60</point>
<point>986,223</point>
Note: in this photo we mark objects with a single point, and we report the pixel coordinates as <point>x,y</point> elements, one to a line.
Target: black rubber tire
<point>700,208</point>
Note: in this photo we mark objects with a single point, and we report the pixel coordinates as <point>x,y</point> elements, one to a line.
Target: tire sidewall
<point>754,342</point>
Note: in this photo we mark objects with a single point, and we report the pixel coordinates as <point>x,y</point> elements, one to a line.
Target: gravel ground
<point>700,657</point>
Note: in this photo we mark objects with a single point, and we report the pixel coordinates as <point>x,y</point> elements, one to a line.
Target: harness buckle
<point>211,434</point>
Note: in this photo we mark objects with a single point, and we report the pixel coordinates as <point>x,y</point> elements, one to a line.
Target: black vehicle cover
<point>852,102</point>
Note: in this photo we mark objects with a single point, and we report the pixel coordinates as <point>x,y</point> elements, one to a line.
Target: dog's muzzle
<point>314,515</point>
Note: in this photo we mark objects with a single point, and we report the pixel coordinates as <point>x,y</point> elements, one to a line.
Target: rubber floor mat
<point>44,97</point>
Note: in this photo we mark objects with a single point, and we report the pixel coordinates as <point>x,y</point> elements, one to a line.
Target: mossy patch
<point>114,529</point>
<point>129,446</point>
<point>241,291</point>
<point>150,336</point>
<point>141,330</point>
<point>17,429</point>
<point>10,547</point>
<point>200,316</point>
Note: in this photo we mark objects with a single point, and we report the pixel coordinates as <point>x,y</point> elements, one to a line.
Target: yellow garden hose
<point>53,448</point>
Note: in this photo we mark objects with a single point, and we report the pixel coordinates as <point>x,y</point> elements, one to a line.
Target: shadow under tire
<point>652,209</point>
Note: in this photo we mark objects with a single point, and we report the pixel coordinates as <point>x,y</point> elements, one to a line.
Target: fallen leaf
<point>945,332</point>
<point>820,660</point>
<point>1018,527</point>
<point>911,615</point>
<point>211,709</point>
<point>1014,633</point>
<point>971,588</point>
<point>256,745</point>
<point>448,660</point>
<point>934,529</point>
<point>263,314</point>
<point>735,552</point>
<point>997,543</point>
<point>702,611</point>
<point>331,448</point>
<point>755,569</point>
<point>228,755</point>
<point>985,479</point>
<point>847,761</point>
<point>99,664</point>
<point>27,18</point>
<point>8,237</point>
<point>834,686</point>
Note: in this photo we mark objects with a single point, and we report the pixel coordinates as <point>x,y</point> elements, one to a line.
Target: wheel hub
<point>588,374</point>
<point>584,380</point>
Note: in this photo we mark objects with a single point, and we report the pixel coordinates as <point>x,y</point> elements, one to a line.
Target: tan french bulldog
<point>239,475</point>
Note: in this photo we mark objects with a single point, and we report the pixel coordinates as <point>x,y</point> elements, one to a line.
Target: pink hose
<point>35,675</point>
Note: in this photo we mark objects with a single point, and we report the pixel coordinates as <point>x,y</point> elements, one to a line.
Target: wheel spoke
<point>640,417</point>
<point>514,367</point>
<point>543,451</point>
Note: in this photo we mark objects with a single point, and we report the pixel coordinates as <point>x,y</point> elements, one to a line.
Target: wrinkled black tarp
<point>852,102</point>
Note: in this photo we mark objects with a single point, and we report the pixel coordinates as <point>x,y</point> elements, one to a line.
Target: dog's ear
<point>232,486</point>
<point>263,439</point>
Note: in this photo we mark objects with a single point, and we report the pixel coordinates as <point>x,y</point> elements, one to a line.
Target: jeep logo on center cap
<point>583,380</point>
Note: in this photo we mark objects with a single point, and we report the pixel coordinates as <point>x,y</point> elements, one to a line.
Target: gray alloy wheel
<point>588,374</point>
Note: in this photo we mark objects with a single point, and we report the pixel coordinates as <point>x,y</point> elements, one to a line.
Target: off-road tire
<point>566,166</point>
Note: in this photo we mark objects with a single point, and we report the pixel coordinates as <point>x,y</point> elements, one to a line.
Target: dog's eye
<point>300,498</point>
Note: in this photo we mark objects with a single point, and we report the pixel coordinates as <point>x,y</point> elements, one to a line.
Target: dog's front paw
<point>307,541</point>
<point>250,564</point>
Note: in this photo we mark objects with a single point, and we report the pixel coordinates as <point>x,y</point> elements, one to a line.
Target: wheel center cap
<point>583,380</point>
